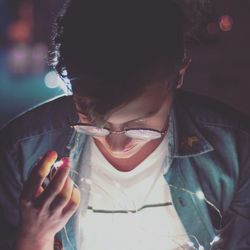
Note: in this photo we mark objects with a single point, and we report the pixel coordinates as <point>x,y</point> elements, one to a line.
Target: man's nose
<point>118,141</point>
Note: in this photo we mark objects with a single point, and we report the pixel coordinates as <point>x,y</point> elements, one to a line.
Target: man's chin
<point>126,153</point>
<point>123,154</point>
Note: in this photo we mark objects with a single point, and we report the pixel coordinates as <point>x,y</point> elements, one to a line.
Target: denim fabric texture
<point>209,174</point>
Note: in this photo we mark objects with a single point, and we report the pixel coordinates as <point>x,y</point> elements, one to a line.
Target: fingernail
<point>52,154</point>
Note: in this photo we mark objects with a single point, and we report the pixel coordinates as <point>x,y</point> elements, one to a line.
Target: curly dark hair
<point>112,49</point>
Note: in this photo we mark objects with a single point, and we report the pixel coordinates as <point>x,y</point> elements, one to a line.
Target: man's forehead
<point>146,105</point>
<point>127,114</point>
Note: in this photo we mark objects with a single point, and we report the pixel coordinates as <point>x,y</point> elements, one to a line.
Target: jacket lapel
<point>188,197</point>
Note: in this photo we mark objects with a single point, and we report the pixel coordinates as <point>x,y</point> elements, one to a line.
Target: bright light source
<point>200,195</point>
<point>53,80</point>
<point>216,238</point>
<point>191,244</point>
<point>57,164</point>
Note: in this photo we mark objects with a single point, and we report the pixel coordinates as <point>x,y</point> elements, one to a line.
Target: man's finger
<point>56,184</point>
<point>73,203</point>
<point>63,197</point>
<point>38,175</point>
<point>38,192</point>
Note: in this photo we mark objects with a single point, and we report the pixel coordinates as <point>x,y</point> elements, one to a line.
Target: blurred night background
<point>220,59</point>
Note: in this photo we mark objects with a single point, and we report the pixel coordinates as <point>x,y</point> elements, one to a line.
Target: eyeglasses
<point>135,133</point>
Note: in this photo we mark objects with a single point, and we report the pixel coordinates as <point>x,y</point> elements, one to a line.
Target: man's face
<point>149,110</point>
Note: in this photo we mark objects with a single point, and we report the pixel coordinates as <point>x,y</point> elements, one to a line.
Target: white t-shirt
<point>131,210</point>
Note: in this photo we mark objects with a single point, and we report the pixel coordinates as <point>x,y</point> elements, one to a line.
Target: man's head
<point>112,50</point>
<point>124,58</point>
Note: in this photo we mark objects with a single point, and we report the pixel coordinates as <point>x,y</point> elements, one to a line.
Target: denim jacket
<point>209,174</point>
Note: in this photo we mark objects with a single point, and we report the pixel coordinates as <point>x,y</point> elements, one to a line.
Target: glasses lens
<point>143,134</point>
<point>91,130</point>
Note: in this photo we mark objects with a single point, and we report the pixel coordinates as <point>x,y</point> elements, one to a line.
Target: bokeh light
<point>53,80</point>
<point>213,28</point>
<point>20,31</point>
<point>19,59</point>
<point>39,57</point>
<point>226,23</point>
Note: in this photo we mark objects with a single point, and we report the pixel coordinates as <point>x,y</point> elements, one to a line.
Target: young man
<point>142,165</point>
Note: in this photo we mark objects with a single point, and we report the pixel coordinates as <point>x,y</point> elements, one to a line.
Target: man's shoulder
<point>53,115</point>
<point>209,111</point>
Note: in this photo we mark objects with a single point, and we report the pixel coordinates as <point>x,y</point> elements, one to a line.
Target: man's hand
<point>45,211</point>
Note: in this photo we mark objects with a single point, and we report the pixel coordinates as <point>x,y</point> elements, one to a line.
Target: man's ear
<point>184,67</point>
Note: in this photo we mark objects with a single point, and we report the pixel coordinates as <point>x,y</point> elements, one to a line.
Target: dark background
<point>220,58</point>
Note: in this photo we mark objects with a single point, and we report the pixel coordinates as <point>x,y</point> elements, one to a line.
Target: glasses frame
<point>161,133</point>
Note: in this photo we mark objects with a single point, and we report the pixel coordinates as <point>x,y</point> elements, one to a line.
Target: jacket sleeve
<point>10,190</point>
<point>236,221</point>
<point>20,151</point>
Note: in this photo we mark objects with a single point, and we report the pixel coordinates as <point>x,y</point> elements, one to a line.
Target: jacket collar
<point>187,138</point>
